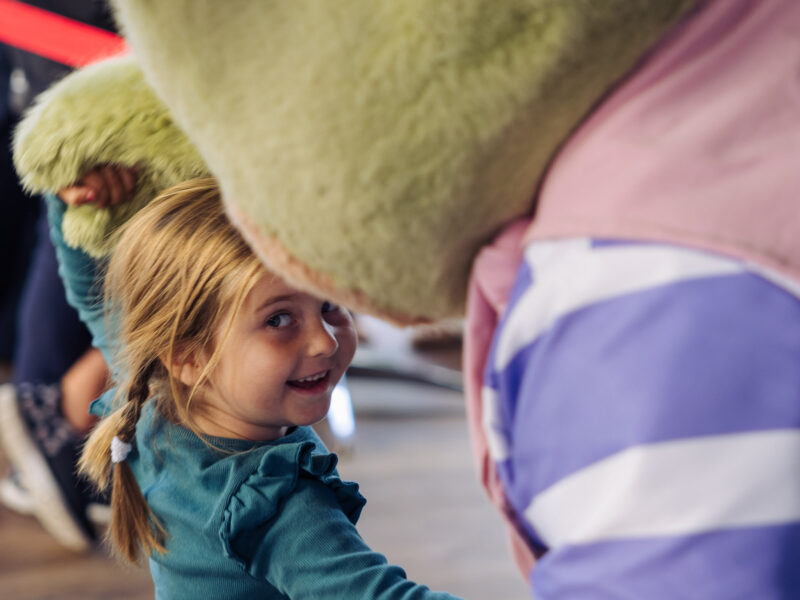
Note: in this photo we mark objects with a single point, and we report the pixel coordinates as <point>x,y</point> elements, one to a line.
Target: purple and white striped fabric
<point>642,404</point>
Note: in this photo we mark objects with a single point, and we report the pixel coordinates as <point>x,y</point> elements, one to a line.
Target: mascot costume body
<point>614,182</point>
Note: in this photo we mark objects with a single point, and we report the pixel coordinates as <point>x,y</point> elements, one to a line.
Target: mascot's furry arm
<point>367,150</point>
<point>105,113</point>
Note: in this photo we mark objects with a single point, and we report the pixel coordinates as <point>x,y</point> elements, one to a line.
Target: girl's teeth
<point>312,378</point>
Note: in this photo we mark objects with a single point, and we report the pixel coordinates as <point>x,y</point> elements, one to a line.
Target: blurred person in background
<point>44,411</point>
<point>18,225</point>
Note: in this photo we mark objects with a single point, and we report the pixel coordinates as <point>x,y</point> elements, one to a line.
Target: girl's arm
<point>80,274</point>
<point>312,550</point>
<point>104,186</point>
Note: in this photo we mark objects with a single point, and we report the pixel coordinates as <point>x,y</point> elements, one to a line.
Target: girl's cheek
<point>349,341</point>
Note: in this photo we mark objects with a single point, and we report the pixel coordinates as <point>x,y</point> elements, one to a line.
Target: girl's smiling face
<point>280,358</point>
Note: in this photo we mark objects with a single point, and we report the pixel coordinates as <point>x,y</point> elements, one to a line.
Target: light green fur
<point>105,113</point>
<point>382,143</point>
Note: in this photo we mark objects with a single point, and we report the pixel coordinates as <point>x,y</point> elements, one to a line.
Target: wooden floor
<point>425,510</point>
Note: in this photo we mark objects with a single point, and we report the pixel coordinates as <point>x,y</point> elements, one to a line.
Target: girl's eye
<point>328,307</point>
<point>279,320</point>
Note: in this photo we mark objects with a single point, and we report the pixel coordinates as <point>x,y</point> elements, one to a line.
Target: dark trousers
<point>18,213</point>
<point>50,336</point>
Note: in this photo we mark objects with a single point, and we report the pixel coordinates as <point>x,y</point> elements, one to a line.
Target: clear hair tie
<point>119,450</point>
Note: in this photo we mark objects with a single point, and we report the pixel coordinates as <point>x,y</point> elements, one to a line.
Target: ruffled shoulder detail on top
<point>258,499</point>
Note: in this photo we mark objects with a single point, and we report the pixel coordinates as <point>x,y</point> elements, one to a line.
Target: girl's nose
<point>322,340</point>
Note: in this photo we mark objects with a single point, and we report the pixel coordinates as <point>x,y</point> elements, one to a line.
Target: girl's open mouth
<point>312,384</point>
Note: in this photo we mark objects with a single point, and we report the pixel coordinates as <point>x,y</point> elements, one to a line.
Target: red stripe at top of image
<point>55,37</point>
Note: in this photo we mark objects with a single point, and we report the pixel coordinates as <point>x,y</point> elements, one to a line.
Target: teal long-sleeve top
<point>243,519</point>
<point>82,280</point>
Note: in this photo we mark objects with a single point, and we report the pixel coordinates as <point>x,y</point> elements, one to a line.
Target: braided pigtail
<point>178,273</point>
<point>134,530</point>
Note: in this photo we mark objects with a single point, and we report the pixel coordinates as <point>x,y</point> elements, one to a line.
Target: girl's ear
<point>185,366</point>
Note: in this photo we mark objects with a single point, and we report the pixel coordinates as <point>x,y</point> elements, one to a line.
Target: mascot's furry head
<point>366,149</point>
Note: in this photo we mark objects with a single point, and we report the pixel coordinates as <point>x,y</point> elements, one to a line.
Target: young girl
<point>221,367</point>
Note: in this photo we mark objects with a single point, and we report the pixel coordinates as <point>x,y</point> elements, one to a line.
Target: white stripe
<point>493,425</point>
<point>570,275</point>
<point>675,488</point>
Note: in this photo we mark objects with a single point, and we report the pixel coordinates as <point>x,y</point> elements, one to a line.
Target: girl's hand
<point>103,186</point>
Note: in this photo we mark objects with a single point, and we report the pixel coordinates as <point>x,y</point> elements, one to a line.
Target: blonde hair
<point>179,270</point>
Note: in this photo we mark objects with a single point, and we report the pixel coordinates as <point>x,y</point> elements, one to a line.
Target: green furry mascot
<point>412,129</point>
